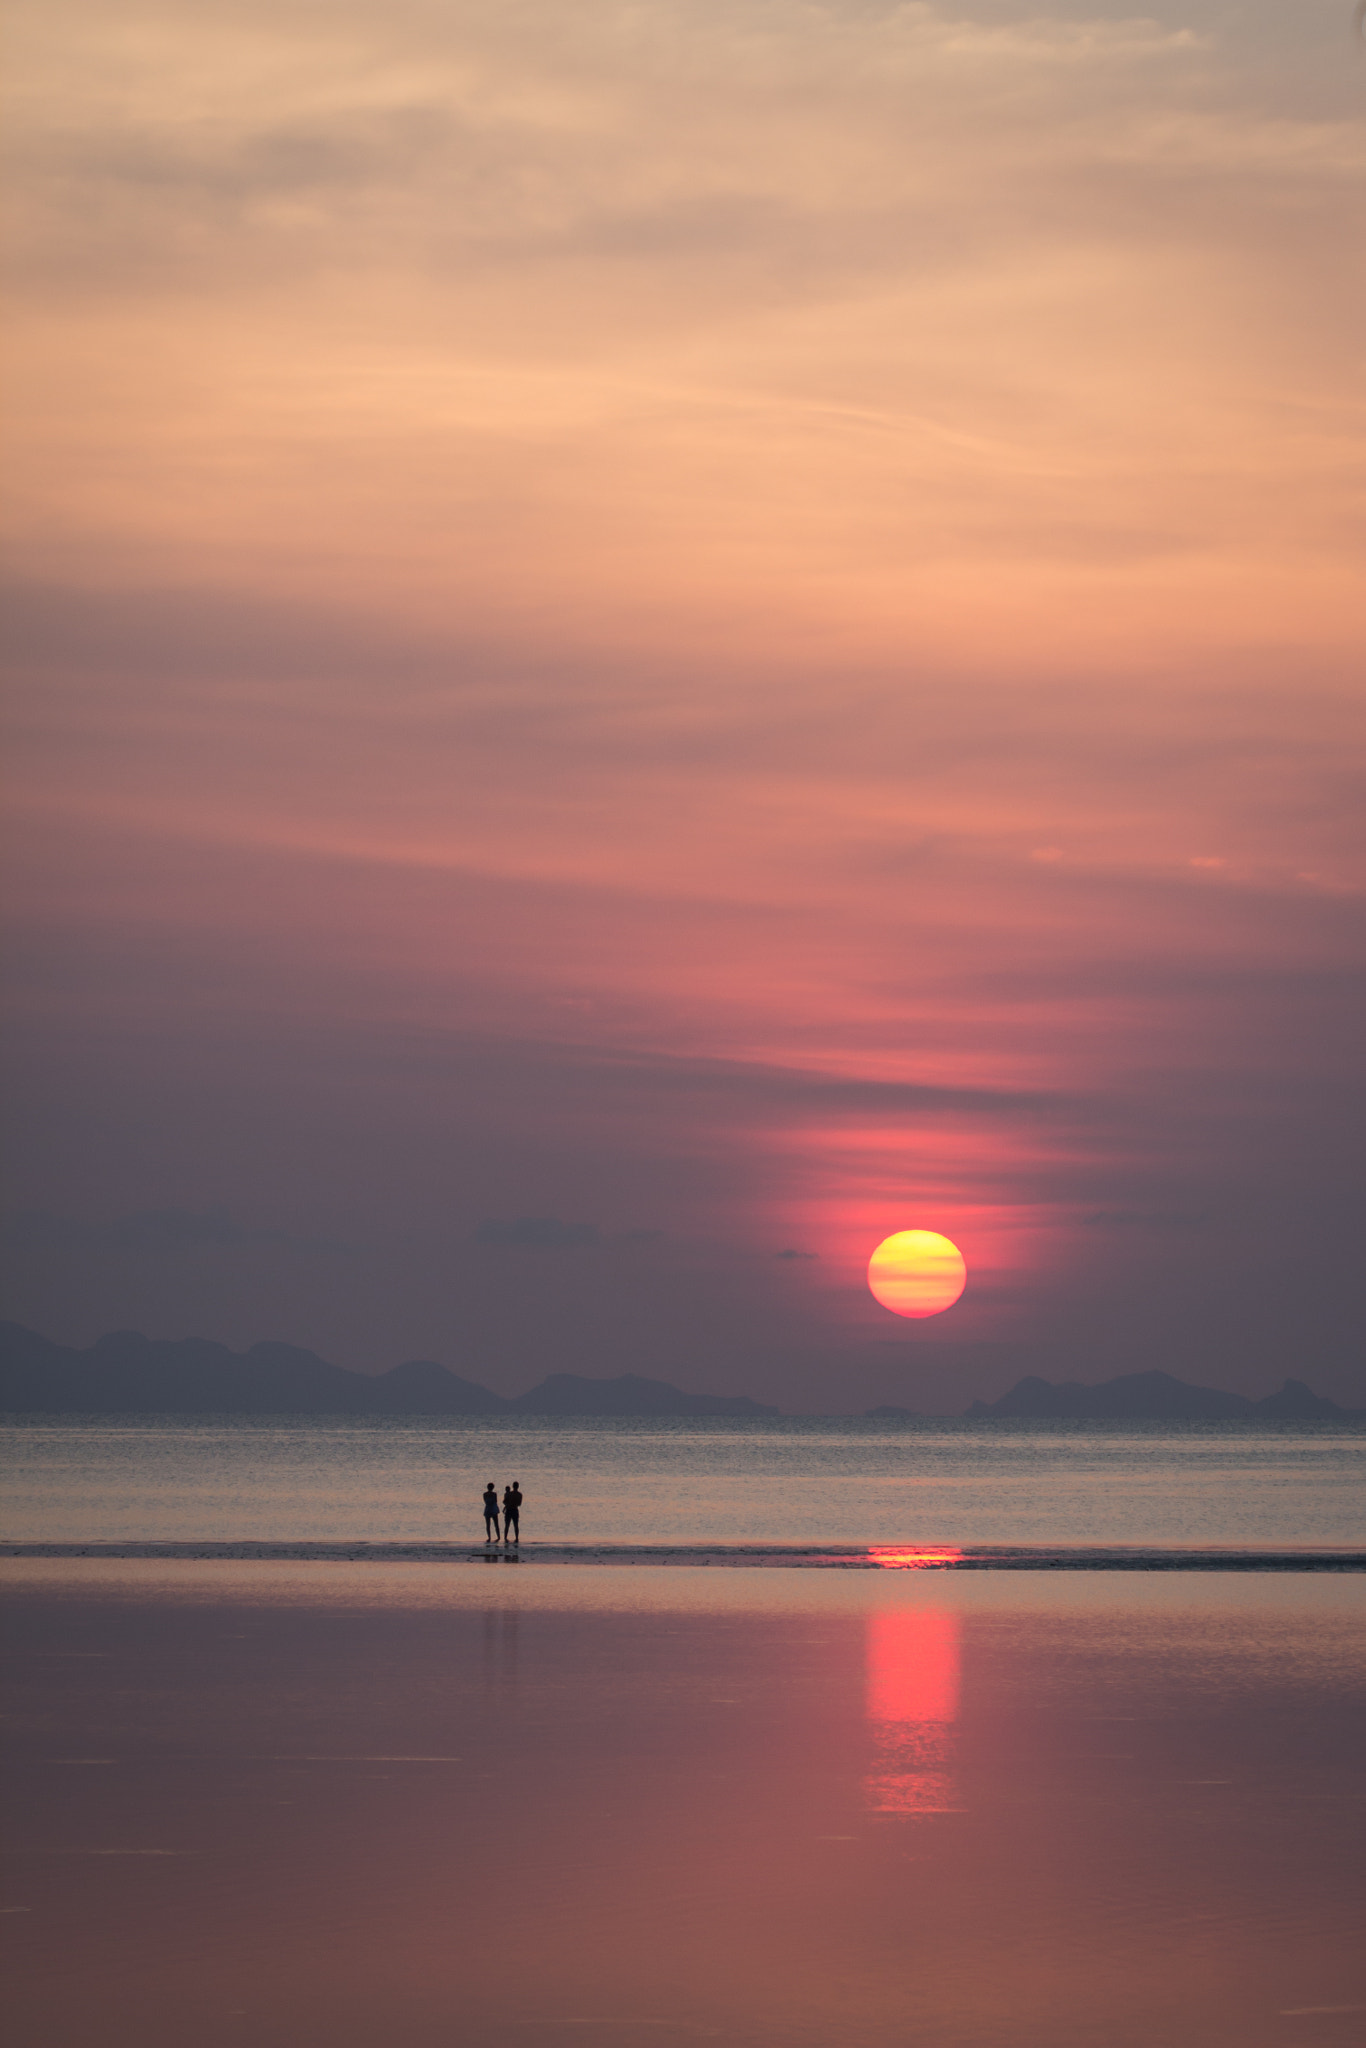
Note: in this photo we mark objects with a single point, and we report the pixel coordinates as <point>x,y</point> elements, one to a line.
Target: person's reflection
<point>912,1678</point>
<point>500,1649</point>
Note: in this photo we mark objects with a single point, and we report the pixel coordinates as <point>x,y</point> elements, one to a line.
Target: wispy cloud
<point>160,1232</point>
<point>538,1233</point>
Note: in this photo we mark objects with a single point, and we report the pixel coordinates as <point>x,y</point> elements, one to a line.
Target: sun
<point>917,1273</point>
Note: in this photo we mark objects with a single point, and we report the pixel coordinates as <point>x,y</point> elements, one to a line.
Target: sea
<point>292,1755</point>
<point>614,1483</point>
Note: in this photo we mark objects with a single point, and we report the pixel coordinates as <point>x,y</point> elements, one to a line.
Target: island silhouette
<point>126,1373</point>
<point>1156,1396</point>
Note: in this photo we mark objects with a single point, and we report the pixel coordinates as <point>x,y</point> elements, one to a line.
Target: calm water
<point>285,1802</point>
<point>360,1804</point>
<point>794,1480</point>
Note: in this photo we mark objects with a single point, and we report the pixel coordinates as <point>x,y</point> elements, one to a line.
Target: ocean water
<point>790,1480</point>
<point>295,1802</point>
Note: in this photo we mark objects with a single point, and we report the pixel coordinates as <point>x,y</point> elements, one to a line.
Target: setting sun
<point>917,1273</point>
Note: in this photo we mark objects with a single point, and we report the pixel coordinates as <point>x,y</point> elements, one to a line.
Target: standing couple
<point>512,1508</point>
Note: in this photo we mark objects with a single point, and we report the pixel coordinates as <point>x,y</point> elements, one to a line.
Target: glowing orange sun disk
<point>917,1273</point>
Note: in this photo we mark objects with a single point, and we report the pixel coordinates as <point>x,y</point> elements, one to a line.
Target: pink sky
<point>736,625</point>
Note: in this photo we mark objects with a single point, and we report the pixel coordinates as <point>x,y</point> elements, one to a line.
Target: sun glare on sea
<point>917,1273</point>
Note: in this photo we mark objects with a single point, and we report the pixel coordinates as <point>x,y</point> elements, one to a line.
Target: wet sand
<point>988,1557</point>
<point>279,1803</point>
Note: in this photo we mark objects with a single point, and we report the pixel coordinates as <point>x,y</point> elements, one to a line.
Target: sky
<point>654,638</point>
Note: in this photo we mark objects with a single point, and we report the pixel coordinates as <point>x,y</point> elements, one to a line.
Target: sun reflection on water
<point>917,1558</point>
<point>913,1675</point>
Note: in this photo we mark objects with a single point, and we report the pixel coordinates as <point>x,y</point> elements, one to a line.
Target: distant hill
<point>1155,1397</point>
<point>129,1374</point>
<point>126,1373</point>
<point>565,1393</point>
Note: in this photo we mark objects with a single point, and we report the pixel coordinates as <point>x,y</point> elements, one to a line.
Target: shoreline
<point>776,1556</point>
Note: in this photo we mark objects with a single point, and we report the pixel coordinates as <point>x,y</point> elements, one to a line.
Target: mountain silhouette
<point>1155,1397</point>
<point>566,1393</point>
<point>127,1373</point>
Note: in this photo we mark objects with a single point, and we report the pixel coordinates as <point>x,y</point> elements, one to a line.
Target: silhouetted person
<point>512,1510</point>
<point>490,1513</point>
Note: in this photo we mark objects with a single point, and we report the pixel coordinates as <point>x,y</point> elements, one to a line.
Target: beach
<point>275,1802</point>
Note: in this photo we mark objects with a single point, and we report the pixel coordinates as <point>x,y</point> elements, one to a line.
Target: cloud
<point>1145,1219</point>
<point>791,1254</point>
<point>155,1231</point>
<point>783,154</point>
<point>548,1233</point>
<point>538,1233</point>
